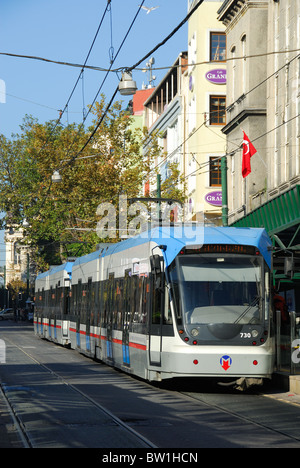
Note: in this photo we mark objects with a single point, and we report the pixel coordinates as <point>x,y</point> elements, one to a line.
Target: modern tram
<point>180,301</point>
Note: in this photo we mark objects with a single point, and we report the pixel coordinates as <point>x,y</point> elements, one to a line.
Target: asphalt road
<point>61,399</point>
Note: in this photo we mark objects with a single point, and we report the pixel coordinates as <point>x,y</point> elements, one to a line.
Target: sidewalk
<point>9,435</point>
<point>286,381</point>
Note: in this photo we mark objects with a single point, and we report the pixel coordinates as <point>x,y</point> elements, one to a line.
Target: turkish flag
<point>248,152</point>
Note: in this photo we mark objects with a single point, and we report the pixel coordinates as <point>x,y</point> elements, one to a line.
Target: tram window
<point>167,319</point>
<point>104,302</point>
<point>175,291</point>
<point>227,293</point>
<point>134,298</point>
<point>117,320</point>
<point>157,297</point>
<point>79,296</point>
<point>267,293</point>
<point>145,300</point>
<point>127,297</point>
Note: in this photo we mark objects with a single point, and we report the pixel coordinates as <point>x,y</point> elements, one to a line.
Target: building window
<point>217,46</point>
<point>215,172</point>
<point>217,105</point>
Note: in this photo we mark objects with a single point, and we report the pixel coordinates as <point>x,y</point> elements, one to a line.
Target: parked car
<point>7,314</point>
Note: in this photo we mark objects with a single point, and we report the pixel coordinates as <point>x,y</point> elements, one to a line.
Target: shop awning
<point>281,219</point>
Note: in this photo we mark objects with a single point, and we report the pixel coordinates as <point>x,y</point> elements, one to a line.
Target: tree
<point>63,217</point>
<point>15,288</point>
<point>65,214</point>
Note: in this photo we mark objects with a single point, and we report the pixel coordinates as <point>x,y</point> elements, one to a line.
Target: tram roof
<point>64,266</point>
<point>177,237</point>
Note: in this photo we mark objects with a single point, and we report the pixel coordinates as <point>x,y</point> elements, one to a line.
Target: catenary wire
<point>130,69</point>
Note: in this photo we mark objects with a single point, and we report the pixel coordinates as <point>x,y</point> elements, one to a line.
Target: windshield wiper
<point>252,304</point>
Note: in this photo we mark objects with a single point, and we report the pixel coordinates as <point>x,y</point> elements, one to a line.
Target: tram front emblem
<point>225,362</point>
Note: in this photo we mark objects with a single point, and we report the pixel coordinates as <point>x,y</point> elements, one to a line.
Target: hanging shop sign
<point>214,198</point>
<point>217,76</point>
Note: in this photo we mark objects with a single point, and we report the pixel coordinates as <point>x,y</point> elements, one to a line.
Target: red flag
<point>248,152</point>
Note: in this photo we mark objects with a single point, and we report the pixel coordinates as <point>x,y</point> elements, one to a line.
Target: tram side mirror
<point>155,264</point>
<point>156,270</point>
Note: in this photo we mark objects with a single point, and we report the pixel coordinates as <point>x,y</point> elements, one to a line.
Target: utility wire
<point>225,110</point>
<point>130,69</point>
<point>166,67</point>
<point>72,159</point>
<point>76,83</point>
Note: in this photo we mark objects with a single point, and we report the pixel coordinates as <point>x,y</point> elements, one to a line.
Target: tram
<point>179,301</point>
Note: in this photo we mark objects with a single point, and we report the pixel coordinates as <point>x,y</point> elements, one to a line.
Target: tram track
<point>149,416</point>
<point>20,426</point>
<point>272,423</point>
<point>247,419</point>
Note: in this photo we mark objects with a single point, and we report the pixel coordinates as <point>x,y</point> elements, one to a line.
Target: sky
<point>64,30</point>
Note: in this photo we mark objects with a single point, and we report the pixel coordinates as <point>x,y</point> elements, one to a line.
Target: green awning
<point>280,217</point>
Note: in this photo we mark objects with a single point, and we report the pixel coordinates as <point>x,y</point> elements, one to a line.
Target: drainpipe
<point>224,191</point>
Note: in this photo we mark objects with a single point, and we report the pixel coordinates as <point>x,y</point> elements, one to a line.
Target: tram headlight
<point>194,332</point>
<point>254,333</point>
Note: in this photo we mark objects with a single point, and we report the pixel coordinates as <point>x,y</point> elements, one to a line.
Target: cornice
<point>238,119</point>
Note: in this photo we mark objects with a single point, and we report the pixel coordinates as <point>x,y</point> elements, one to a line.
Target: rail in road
<point>59,398</point>
<point>48,411</point>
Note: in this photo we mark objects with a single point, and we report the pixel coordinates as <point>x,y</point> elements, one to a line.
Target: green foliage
<point>62,217</point>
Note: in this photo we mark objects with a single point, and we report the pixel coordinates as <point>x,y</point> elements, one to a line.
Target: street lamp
<point>56,177</point>
<point>127,85</point>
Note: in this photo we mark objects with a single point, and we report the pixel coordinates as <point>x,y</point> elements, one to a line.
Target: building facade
<point>17,256</point>
<point>206,104</point>
<point>246,32</point>
<point>263,100</point>
<point>164,115</point>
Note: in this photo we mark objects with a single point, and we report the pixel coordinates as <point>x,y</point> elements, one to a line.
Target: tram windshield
<point>216,288</point>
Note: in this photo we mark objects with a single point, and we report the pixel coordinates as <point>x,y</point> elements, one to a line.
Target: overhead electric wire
<point>117,89</point>
<point>72,159</point>
<point>71,94</point>
<point>232,153</point>
<point>164,41</point>
<point>192,11</point>
<point>142,60</point>
<point>76,83</point>
<point>225,110</point>
<point>87,57</point>
<point>166,67</point>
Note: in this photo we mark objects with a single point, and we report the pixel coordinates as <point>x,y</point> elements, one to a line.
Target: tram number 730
<point>245,335</point>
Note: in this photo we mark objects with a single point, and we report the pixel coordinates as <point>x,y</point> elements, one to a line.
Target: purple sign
<point>216,76</point>
<point>214,198</point>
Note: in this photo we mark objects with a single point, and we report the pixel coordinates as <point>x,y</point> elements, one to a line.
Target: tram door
<point>156,313</point>
<point>88,314</point>
<point>109,316</point>
<point>126,319</point>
